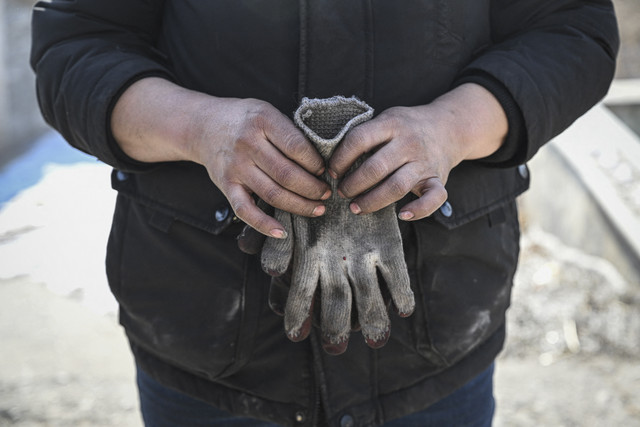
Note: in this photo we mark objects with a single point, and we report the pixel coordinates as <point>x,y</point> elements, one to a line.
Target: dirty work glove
<point>341,251</point>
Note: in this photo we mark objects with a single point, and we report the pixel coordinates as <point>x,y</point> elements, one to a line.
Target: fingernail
<point>355,208</point>
<point>278,233</point>
<point>326,195</point>
<point>333,174</point>
<point>341,194</point>
<point>405,215</point>
<point>319,210</point>
<point>321,172</point>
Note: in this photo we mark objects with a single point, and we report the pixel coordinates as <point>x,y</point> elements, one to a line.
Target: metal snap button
<point>446,209</point>
<point>347,421</point>
<point>222,214</point>
<point>523,171</point>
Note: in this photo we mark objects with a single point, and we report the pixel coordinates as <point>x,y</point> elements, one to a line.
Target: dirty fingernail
<point>278,233</point>
<point>405,215</point>
<point>355,208</point>
<point>319,210</point>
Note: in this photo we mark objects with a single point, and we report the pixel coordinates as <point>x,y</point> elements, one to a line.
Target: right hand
<point>247,146</point>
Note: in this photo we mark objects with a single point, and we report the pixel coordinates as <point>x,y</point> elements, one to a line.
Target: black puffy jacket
<point>193,306</point>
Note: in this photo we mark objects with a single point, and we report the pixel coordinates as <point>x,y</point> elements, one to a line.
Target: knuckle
<point>375,169</point>
<point>443,194</point>
<point>295,146</point>
<point>259,111</point>
<point>355,141</point>
<point>392,118</point>
<point>305,154</point>
<point>393,121</point>
<point>257,117</point>
<point>286,175</point>
<point>273,195</point>
<point>241,209</point>
<point>398,187</point>
<point>439,192</point>
<point>246,136</point>
<point>348,187</point>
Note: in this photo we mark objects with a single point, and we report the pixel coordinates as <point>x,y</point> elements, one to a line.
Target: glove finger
<point>300,301</point>
<point>372,311</point>
<point>336,300</point>
<point>307,323</point>
<point>397,278</point>
<point>250,240</point>
<point>277,253</point>
<point>278,292</point>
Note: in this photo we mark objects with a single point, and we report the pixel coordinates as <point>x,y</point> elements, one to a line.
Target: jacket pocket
<point>183,292</point>
<point>463,278</point>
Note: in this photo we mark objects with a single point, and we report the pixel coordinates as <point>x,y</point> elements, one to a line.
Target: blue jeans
<point>470,406</point>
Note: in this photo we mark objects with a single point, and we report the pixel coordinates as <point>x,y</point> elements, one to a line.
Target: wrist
<point>476,123</point>
<point>152,121</point>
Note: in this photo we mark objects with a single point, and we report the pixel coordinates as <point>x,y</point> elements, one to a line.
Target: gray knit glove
<point>341,251</point>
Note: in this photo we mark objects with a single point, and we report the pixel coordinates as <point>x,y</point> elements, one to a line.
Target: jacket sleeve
<point>85,54</point>
<point>550,62</point>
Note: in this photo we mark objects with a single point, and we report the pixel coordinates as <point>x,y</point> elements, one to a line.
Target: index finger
<point>290,140</point>
<point>246,209</point>
<point>358,141</point>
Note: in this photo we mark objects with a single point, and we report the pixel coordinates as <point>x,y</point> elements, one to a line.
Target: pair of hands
<point>265,154</point>
<point>333,261</point>
<point>249,147</point>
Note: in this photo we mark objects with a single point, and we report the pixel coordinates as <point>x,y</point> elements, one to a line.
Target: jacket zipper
<point>317,410</point>
<point>318,413</point>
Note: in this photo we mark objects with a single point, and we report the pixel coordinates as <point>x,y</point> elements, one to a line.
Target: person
<point>191,102</point>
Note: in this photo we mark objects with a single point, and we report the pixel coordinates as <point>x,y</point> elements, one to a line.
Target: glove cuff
<point>326,121</point>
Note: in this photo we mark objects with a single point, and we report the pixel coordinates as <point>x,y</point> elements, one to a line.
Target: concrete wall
<point>20,120</point>
<point>585,189</point>
<point>629,114</point>
<point>624,100</point>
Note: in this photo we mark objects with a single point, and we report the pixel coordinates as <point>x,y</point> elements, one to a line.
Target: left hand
<point>415,148</point>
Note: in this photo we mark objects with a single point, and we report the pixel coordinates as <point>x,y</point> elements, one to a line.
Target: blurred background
<point>574,327</point>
